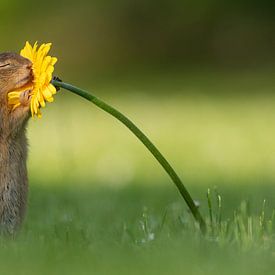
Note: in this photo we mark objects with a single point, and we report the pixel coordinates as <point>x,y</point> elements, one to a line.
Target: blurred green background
<point>198,78</point>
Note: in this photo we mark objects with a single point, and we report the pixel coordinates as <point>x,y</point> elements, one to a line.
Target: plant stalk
<point>145,140</point>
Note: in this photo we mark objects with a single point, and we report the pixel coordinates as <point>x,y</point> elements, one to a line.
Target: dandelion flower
<point>42,90</point>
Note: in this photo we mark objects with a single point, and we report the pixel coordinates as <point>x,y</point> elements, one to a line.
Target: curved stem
<point>145,140</point>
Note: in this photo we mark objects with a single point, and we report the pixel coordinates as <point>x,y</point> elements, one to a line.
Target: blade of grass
<point>210,209</point>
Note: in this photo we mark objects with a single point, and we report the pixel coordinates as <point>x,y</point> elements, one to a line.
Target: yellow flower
<point>41,88</point>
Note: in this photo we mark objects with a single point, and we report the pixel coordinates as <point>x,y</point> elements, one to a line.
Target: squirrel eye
<point>4,65</point>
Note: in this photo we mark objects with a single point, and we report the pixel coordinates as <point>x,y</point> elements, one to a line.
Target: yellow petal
<point>47,93</point>
<point>52,89</point>
<point>16,105</point>
<point>50,99</point>
<point>14,94</point>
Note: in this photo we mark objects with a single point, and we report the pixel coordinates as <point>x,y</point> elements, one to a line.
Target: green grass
<point>134,230</point>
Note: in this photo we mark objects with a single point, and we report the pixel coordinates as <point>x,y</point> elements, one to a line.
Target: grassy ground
<point>100,204</point>
<point>137,230</point>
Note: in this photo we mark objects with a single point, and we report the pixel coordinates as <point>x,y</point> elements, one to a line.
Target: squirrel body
<point>15,72</point>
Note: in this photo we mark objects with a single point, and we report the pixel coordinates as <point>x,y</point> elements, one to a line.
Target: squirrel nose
<point>29,66</point>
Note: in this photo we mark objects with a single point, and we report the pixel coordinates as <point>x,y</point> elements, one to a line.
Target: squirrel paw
<point>25,98</point>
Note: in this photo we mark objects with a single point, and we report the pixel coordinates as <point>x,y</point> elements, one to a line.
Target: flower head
<point>41,88</point>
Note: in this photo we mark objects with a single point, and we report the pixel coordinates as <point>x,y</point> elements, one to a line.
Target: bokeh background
<point>196,76</point>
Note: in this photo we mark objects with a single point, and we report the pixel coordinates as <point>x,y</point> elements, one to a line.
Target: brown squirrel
<point>15,72</point>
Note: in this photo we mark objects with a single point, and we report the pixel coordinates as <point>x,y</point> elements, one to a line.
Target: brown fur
<point>15,72</point>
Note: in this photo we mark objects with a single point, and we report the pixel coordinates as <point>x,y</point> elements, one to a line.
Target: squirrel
<point>15,72</point>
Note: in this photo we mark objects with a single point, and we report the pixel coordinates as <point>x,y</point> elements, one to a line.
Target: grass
<point>99,204</point>
<point>133,230</point>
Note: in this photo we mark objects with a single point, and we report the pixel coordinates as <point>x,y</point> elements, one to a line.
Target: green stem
<point>144,139</point>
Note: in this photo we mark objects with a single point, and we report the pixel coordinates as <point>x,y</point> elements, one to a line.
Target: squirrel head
<point>15,72</point>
